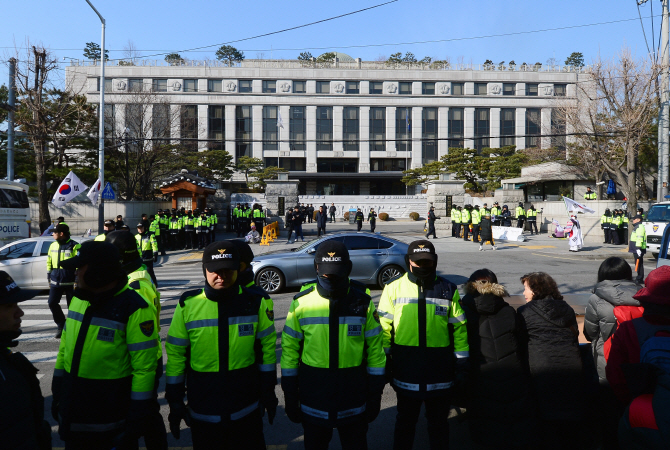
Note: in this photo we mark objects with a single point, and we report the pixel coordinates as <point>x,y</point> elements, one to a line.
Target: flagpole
<point>407,143</point>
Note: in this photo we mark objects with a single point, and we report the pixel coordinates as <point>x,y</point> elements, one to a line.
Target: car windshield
<point>659,213</point>
<point>305,245</point>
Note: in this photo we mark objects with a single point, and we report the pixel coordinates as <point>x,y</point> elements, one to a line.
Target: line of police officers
<point>338,351</point>
<point>243,216</point>
<point>467,219</point>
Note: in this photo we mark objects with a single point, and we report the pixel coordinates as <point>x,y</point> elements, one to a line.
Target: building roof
<point>343,57</point>
<point>550,171</point>
<point>186,176</point>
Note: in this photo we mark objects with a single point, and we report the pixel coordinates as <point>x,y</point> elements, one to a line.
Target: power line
<point>644,33</point>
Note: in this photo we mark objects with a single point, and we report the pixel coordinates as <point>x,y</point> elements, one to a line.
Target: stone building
<point>347,127</point>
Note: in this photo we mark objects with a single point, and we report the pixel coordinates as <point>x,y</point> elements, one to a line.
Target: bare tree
<point>130,53</point>
<point>381,58</point>
<point>613,119</point>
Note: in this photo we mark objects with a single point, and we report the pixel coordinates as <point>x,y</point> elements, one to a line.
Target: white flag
<point>68,189</point>
<point>280,122</point>
<point>573,206</point>
<point>94,191</point>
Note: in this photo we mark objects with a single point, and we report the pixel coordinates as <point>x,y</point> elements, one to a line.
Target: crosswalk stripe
<point>30,338</point>
<point>40,357</point>
<point>38,302</point>
<point>39,311</point>
<point>33,323</point>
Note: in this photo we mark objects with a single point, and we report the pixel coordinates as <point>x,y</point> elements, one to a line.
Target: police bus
<point>654,224</point>
<point>14,211</point>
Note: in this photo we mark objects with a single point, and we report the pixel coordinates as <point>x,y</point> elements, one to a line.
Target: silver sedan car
<point>376,260</point>
<point>25,261</point>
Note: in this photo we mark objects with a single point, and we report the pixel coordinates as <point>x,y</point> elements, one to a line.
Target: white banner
<point>68,189</point>
<point>576,207</point>
<point>506,233</point>
<point>94,191</point>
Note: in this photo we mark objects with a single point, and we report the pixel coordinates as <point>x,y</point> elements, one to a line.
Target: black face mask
<point>8,338</point>
<point>424,273</point>
<point>333,283</point>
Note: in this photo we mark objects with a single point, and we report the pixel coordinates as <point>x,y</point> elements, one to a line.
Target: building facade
<point>346,127</point>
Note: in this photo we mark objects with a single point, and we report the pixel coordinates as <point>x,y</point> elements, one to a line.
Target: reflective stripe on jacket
<point>476,217</point>
<point>58,253</point>
<point>416,322</point>
<point>223,365</point>
<point>322,334</point>
<point>639,236</point>
<point>147,245</point>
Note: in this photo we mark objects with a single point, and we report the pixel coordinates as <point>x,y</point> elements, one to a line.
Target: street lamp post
<point>101,116</point>
<point>125,144</point>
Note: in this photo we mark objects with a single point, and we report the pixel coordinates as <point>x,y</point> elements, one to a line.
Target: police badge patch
<point>147,328</point>
<point>441,310</point>
<point>245,330</point>
<point>375,315</point>
<point>354,330</point>
<point>271,314</point>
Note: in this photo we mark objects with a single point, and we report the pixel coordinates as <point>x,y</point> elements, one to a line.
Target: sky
<point>470,31</point>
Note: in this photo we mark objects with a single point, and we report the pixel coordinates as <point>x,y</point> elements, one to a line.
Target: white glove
<point>639,252</point>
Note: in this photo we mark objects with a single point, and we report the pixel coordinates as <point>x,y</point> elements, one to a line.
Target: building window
<point>243,122</point>
<point>507,127</point>
<point>159,85</point>
<point>297,128</point>
<point>388,187</point>
<point>290,164</point>
<point>189,127</point>
<point>532,127</point>
<point>457,88</point>
<point>558,128</point>
<point>270,129</point>
<point>509,88</point>
<point>246,86</point>
<point>388,165</point>
<point>429,135</point>
<point>160,124</point>
<point>405,88</point>
<point>428,88</point>
<point>353,87</point>
<point>338,165</point>
<point>190,85</point>
<point>480,89</point>
<point>376,87</point>
<point>324,128</point>
<point>560,90</point>
<point>110,120</point>
<point>350,128</point>
<point>531,89</point>
<point>403,129</point>
<point>456,127</point>
<point>216,127</point>
<point>323,87</point>
<point>482,128</point>
<point>299,87</point>
<point>135,84</point>
<point>377,129</point>
<point>108,85</point>
<point>269,86</point>
<point>214,86</point>
<point>337,188</point>
<point>134,120</point>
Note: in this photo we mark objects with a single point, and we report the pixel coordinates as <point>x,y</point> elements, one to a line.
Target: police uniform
<point>202,230</point>
<point>259,218</point>
<point>102,236</point>
<point>236,219</point>
<point>495,214</point>
<point>164,225</point>
<point>465,222</point>
<point>222,344</point>
<point>189,231</point>
<point>358,219</point>
<point>520,215</point>
<point>332,359</point>
<point>214,221</point>
<point>148,248</point>
<point>372,218</point>
<point>590,195</point>
<point>638,246</point>
<point>455,222</point>
<point>174,225</point>
<point>476,220</point>
<point>104,375</point>
<point>532,219</point>
<point>424,329</point>
<point>61,281</point>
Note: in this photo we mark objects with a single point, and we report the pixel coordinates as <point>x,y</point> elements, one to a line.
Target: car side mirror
<point>311,250</point>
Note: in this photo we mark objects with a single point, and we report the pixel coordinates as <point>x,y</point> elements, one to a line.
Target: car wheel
<point>271,280</point>
<point>388,273</point>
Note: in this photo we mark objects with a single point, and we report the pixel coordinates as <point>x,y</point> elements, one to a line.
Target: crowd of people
<point>521,376</point>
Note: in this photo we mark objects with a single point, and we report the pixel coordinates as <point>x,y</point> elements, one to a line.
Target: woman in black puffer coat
<point>499,406</point>
<point>615,287</point>
<point>548,334</point>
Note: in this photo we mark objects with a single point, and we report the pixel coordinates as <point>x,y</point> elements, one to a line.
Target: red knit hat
<point>656,287</point>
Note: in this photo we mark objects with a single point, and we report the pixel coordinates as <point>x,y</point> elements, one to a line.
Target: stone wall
<point>275,189</point>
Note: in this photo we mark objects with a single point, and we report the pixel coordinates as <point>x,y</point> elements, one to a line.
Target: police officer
<point>372,218</point>
<point>236,214</point>
<point>104,377</point>
<point>476,220</point>
<point>520,215</point>
<point>212,345</point>
<point>189,230</point>
<point>61,281</point>
<point>140,281</point>
<point>638,247</point>
<point>119,222</point>
<point>625,228</point>
<point>431,223</point>
<point>532,219</point>
<point>108,227</point>
<point>202,230</point>
<point>495,213</point>
<point>163,225</point>
<point>359,219</point>
<point>22,424</point>
<point>418,312</point>
<point>604,225</point>
<point>332,359</point>
<point>590,195</point>
<point>465,221</point>
<point>174,226</point>
<point>455,221</point>
<point>214,221</point>
<point>155,229</point>
<point>615,227</point>
<point>148,248</point>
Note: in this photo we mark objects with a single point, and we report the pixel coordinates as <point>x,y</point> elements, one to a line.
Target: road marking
<point>39,312</point>
<point>38,337</point>
<point>536,247</point>
<point>40,357</point>
<point>191,256</point>
<point>558,257</point>
<point>30,323</point>
<point>42,302</point>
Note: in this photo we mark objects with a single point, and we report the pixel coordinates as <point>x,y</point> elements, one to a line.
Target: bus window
<point>10,198</point>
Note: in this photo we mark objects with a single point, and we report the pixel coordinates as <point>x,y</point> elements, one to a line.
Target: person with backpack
<point>611,304</point>
<point>548,339</point>
<point>638,368</point>
<point>496,394</point>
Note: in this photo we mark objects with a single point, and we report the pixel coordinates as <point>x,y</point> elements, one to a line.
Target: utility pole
<point>663,119</point>
<point>10,120</point>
